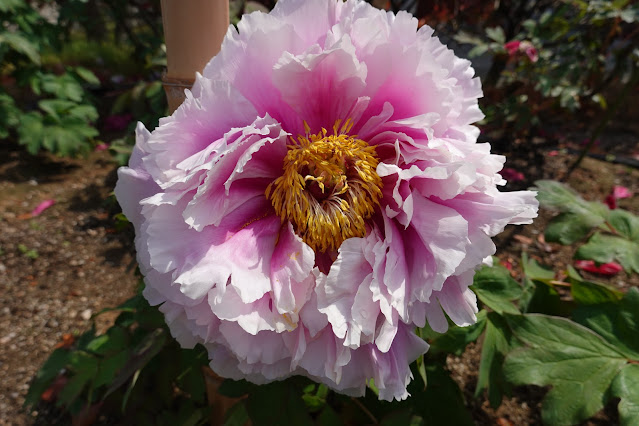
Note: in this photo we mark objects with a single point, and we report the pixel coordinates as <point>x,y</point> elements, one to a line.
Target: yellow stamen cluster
<point>328,188</point>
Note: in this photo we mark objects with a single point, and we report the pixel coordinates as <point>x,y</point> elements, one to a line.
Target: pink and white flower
<point>318,195</point>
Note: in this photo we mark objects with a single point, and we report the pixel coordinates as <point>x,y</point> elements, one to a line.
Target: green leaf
<point>626,387</point>
<point>456,339</point>
<point>497,289</point>
<point>87,75</point>
<point>578,363</point>
<point>315,401</point>
<point>45,376</point>
<point>535,271</point>
<point>606,248</point>
<point>22,45</point>
<point>109,367</point>
<point>567,228</point>
<point>31,132</point>
<point>617,322</point>
<point>442,403</point>
<point>85,368</point>
<point>141,355</point>
<point>277,404</point>
<point>236,415</point>
<point>557,196</point>
<point>62,87</point>
<point>626,223</point>
<point>590,293</point>
<point>496,34</point>
<point>494,348</point>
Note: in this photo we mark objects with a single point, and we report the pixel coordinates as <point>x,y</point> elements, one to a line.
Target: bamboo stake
<point>193,32</point>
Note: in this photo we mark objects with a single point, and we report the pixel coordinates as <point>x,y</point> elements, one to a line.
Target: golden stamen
<point>329,186</point>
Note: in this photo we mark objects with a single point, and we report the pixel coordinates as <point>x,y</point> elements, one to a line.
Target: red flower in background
<point>516,47</point>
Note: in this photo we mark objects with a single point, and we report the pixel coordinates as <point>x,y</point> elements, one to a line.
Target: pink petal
<point>512,47</point>
<point>42,207</point>
<point>608,269</point>
<point>621,192</point>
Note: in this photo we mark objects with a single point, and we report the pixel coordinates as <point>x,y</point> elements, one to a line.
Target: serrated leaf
<point>497,289</point>
<point>535,271</point>
<point>22,45</point>
<point>56,107</point>
<point>62,87</point>
<point>31,132</point>
<point>626,223</point>
<point>626,387</point>
<point>494,348</point>
<point>606,248</point>
<point>567,228</point>
<point>557,196</point>
<point>617,322</point>
<point>578,363</point>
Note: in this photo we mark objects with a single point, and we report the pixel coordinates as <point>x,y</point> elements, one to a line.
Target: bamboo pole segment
<point>193,33</point>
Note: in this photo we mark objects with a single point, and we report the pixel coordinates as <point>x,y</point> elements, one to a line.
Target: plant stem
<point>365,410</point>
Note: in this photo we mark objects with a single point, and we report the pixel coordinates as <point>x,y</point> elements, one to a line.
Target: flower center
<point>329,187</point>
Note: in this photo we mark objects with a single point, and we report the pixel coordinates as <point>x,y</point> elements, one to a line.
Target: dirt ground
<point>62,266</point>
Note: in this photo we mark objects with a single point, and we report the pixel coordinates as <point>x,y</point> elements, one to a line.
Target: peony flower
<point>318,195</point>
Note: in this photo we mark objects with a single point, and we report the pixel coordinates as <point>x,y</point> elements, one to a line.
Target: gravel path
<point>56,269</point>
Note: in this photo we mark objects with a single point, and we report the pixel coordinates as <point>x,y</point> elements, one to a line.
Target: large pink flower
<point>318,195</point>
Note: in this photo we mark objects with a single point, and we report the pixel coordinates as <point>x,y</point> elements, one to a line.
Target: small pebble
<point>86,314</point>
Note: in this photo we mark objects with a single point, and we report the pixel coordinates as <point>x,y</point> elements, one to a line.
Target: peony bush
<point>319,195</point>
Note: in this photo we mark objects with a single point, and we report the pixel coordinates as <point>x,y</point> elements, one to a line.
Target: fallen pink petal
<point>101,147</point>
<point>42,207</point>
<point>620,192</point>
<point>608,269</point>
